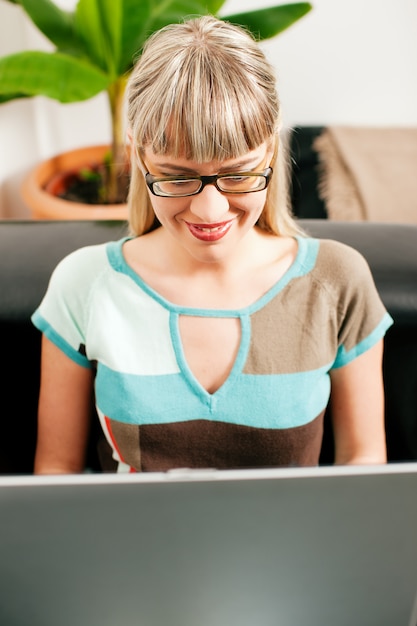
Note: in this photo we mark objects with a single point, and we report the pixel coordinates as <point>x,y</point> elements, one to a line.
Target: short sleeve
<point>361,317</point>
<point>63,313</point>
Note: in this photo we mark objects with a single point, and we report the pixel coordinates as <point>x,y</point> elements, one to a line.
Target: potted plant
<point>95,47</point>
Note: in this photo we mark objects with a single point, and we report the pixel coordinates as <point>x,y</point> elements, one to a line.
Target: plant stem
<point>116,184</point>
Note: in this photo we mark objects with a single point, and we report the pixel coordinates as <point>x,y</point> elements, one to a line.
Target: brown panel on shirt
<point>345,273</point>
<point>293,332</point>
<point>126,437</point>
<point>302,327</point>
<point>204,444</point>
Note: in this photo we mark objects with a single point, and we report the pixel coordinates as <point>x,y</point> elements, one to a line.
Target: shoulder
<point>95,254</point>
<point>345,275</point>
<point>341,275</point>
<point>80,269</point>
<point>339,264</point>
<point>344,256</point>
<point>86,260</point>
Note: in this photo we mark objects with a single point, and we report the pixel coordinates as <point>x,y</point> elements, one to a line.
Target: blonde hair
<point>204,90</point>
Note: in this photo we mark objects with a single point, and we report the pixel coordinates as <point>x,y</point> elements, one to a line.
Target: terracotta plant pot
<point>46,206</point>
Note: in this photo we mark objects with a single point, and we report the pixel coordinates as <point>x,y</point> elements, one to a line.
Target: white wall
<point>352,62</point>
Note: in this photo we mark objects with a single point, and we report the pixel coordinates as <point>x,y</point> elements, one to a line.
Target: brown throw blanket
<point>368,173</point>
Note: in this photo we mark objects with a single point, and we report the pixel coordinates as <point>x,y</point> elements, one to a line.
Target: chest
<point>284,336</point>
<point>210,347</point>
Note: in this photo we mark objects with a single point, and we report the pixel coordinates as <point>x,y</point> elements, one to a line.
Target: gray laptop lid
<point>321,547</point>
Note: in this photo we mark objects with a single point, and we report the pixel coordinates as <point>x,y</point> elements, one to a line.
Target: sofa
<point>29,250</point>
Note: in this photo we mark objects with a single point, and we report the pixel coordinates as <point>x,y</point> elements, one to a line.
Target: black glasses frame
<point>206,180</point>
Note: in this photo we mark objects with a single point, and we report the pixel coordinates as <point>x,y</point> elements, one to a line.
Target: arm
<point>64,413</point>
<point>357,403</point>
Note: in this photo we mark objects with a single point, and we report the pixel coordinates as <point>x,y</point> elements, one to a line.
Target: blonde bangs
<point>210,121</point>
<point>206,103</point>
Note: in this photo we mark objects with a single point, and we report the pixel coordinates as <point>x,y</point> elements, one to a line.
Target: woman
<point>213,334</point>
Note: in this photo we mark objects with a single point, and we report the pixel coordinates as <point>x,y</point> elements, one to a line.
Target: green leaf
<point>174,11</point>
<point>112,31</point>
<point>11,96</point>
<point>52,74</point>
<point>95,24</point>
<point>54,23</point>
<point>212,7</point>
<point>266,23</point>
<point>133,31</point>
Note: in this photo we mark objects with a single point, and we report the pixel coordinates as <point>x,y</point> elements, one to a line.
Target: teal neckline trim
<point>210,399</point>
<point>302,264</point>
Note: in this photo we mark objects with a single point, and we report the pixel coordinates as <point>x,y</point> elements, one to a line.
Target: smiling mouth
<point>209,232</point>
<point>211,228</point>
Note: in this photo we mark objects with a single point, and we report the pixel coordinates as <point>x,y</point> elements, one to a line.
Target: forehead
<point>184,163</point>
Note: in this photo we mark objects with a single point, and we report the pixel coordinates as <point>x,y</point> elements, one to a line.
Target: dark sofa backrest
<point>391,251</point>
<point>30,250</point>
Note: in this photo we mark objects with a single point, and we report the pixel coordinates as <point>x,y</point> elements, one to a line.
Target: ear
<point>129,142</point>
<point>131,146</point>
<point>129,134</point>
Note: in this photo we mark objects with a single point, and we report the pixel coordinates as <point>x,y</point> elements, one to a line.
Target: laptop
<point>329,546</point>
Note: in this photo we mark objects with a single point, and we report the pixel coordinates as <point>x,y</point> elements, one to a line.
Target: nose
<point>210,205</point>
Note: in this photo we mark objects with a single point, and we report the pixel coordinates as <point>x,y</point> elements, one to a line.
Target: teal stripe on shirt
<point>45,327</point>
<point>271,401</point>
<point>346,356</point>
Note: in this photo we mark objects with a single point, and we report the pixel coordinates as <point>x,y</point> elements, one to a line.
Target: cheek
<point>252,204</point>
<point>166,209</point>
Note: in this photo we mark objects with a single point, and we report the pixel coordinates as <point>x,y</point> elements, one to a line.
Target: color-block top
<point>321,314</point>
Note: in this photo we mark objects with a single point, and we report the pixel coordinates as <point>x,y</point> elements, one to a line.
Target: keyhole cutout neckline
<point>242,315</point>
<point>119,263</point>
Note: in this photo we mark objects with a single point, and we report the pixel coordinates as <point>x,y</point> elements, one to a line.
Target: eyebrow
<point>240,166</point>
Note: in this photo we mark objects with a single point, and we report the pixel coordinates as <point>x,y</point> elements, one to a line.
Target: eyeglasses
<point>182,186</point>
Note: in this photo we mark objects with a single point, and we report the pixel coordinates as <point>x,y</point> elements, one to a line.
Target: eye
<point>237,180</point>
<point>179,183</point>
<point>241,183</point>
<point>177,186</point>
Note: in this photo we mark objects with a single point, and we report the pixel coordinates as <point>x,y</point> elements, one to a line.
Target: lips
<point>209,232</point>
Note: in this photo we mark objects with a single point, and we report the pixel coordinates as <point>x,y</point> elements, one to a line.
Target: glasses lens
<point>176,187</point>
<point>241,184</point>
